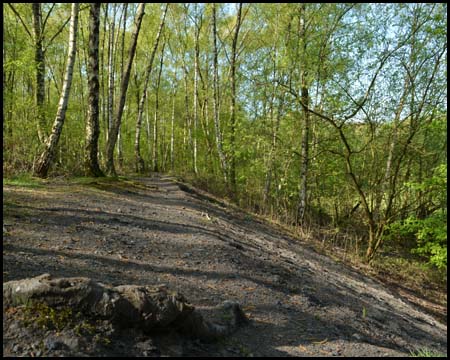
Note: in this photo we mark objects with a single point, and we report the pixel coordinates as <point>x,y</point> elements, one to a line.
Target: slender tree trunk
<point>196,59</point>
<point>147,121</point>
<point>44,161</point>
<point>172,134</point>
<point>122,51</point>
<point>123,93</point>
<point>188,143</point>
<point>92,124</point>
<point>305,136</point>
<point>111,72</point>
<point>274,118</point>
<point>103,97</point>
<point>270,167</point>
<point>268,177</point>
<point>122,63</point>
<point>305,154</point>
<point>217,128</point>
<point>40,71</point>
<point>233,103</point>
<point>156,122</point>
<point>137,151</point>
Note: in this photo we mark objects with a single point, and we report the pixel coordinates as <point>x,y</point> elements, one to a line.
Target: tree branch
<point>20,18</point>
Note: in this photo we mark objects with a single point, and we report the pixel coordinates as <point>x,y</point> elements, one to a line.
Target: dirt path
<point>153,231</point>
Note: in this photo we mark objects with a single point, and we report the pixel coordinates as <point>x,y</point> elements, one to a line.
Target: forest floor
<point>154,230</point>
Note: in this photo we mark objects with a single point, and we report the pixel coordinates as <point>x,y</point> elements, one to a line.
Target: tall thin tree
<point>40,70</point>
<point>92,124</point>
<point>112,138</point>
<point>137,150</point>
<point>217,127</point>
<point>234,53</point>
<point>305,135</point>
<point>44,161</point>
<point>197,24</point>
<point>156,122</point>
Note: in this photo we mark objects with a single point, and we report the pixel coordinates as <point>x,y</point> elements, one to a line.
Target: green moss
<point>84,327</point>
<point>101,339</point>
<point>45,317</point>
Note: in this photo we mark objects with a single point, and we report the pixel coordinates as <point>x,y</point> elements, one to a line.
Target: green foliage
<point>431,236</point>
<point>431,232</point>
<point>335,58</point>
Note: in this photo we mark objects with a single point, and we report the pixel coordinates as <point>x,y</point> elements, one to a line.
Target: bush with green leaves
<point>430,233</point>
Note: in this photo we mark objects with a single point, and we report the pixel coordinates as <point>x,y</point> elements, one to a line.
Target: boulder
<point>149,308</point>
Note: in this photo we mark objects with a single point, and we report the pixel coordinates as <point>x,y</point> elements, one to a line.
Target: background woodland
<point>319,116</point>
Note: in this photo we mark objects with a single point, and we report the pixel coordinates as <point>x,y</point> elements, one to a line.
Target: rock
<point>148,308</point>
<point>52,343</point>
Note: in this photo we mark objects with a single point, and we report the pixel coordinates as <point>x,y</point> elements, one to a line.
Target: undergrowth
<point>426,353</point>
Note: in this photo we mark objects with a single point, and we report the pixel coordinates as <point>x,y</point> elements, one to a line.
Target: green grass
<point>24,180</point>
<point>29,181</point>
<point>424,352</point>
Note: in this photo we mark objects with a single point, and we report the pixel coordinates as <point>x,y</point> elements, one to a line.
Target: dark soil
<point>154,230</point>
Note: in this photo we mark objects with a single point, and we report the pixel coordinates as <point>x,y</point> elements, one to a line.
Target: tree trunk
<point>44,161</point>
<point>197,50</point>
<point>172,135</point>
<point>103,97</point>
<point>275,120</point>
<point>112,138</point>
<point>305,136</point>
<point>122,51</point>
<point>271,161</point>
<point>218,131</point>
<point>40,71</point>
<point>304,165</point>
<point>187,124</point>
<point>137,151</point>
<point>92,125</point>
<point>111,72</point>
<point>156,122</point>
<point>233,104</point>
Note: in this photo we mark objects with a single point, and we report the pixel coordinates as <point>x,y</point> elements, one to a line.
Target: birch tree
<point>305,135</point>
<point>43,163</point>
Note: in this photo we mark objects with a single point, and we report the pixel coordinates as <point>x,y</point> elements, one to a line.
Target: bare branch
<point>20,18</point>
<point>56,34</point>
<point>46,18</point>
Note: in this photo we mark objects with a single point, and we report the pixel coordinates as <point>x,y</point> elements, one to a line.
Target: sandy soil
<point>154,230</point>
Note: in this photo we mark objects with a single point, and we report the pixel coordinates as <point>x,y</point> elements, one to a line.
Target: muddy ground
<point>154,230</point>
